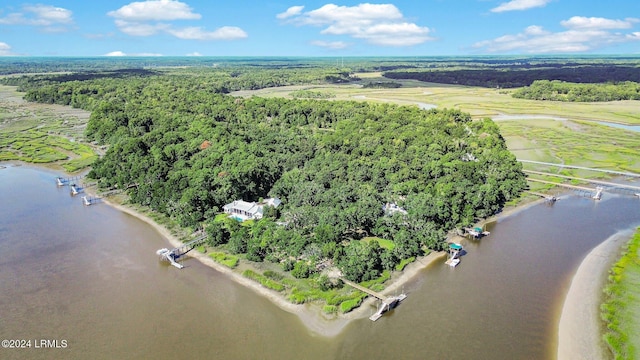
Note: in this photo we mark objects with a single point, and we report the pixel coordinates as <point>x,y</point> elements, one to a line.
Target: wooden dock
<point>598,182</point>
<point>172,255</point>
<point>477,232</point>
<point>90,200</point>
<point>388,302</point>
<point>60,181</point>
<point>575,187</point>
<point>580,168</point>
<point>549,198</point>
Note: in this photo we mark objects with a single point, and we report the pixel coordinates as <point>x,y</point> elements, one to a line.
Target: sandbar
<point>580,329</point>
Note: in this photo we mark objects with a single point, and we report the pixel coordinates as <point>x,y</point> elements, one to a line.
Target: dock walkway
<point>388,302</point>
<point>599,182</point>
<point>580,167</point>
<point>174,254</point>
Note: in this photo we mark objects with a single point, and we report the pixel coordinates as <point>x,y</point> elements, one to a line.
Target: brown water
<point>90,276</point>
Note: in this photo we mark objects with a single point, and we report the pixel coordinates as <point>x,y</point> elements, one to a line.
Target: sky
<point>319,28</point>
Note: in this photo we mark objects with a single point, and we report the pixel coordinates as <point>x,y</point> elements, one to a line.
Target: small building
<point>242,210</point>
<point>392,208</point>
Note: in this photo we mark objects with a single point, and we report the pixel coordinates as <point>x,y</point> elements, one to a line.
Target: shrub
<point>263,280</point>
<point>225,259</point>
<point>349,305</point>
<point>300,270</point>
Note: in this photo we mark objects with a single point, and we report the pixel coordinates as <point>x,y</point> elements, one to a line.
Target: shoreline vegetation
<point>313,316</point>
<point>580,327</point>
<point>620,310</point>
<point>310,314</point>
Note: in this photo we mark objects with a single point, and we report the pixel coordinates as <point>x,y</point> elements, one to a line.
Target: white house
<point>392,208</point>
<point>242,210</point>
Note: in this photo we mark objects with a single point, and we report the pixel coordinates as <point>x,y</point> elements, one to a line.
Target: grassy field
<point>621,310</point>
<point>43,134</point>
<point>479,102</point>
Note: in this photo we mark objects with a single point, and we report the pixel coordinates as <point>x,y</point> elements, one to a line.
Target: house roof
<point>242,205</point>
<point>275,202</point>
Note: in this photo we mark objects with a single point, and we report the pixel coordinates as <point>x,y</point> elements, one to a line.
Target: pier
<point>90,200</point>
<point>549,198</point>
<point>598,182</point>
<point>388,302</point>
<point>172,255</point>
<point>76,189</point>
<point>580,168</point>
<point>60,181</point>
<point>477,232</point>
<point>595,194</point>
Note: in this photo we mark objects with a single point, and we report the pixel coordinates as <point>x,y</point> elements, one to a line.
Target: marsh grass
<point>263,280</point>
<point>403,263</point>
<point>37,133</point>
<point>579,143</point>
<point>225,259</point>
<point>621,308</point>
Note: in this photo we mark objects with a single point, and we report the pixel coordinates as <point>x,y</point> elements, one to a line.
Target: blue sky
<point>318,28</point>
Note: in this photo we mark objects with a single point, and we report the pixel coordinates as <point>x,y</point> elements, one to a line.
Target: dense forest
<point>512,77</point>
<point>183,148</point>
<point>564,91</point>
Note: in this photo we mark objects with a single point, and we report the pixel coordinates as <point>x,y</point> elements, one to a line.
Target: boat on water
<point>454,253</point>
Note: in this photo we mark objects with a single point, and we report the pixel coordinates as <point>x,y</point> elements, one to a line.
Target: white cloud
<point>48,18</point>
<point>519,5</point>
<point>582,35</point>
<point>334,45</point>
<point>535,30</point>
<point>197,33</point>
<point>152,17</point>
<point>195,53</point>
<point>155,10</point>
<point>115,53</point>
<point>292,11</point>
<point>140,29</point>
<point>120,53</point>
<point>378,24</point>
<point>5,49</point>
<point>581,22</point>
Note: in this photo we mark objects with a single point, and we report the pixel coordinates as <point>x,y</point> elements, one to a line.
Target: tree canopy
<point>564,91</point>
<point>183,148</point>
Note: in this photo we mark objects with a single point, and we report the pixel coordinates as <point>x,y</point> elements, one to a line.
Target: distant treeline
<point>565,91</point>
<point>71,89</point>
<point>30,65</point>
<point>509,78</point>
<point>312,94</point>
<point>382,85</point>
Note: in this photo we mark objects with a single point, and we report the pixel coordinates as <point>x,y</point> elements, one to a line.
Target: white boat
<point>453,262</point>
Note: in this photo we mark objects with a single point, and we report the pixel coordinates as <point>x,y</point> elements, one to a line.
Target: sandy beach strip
<point>579,329</point>
<point>311,316</point>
